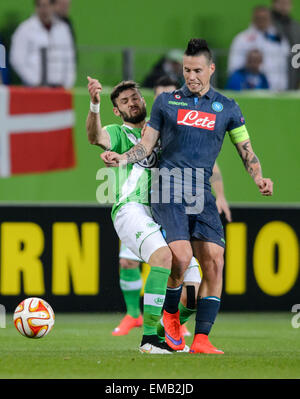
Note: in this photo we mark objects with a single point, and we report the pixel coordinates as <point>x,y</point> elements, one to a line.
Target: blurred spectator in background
<point>42,51</point>
<point>11,20</point>
<point>62,11</point>
<point>169,65</point>
<point>281,16</point>
<point>4,78</point>
<point>249,77</point>
<point>164,84</point>
<point>262,35</point>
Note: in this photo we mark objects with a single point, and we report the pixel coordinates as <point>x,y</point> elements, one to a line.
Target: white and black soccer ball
<point>34,318</point>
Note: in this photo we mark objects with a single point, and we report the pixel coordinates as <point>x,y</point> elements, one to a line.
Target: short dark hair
<point>166,81</point>
<point>197,47</point>
<point>36,2</point>
<point>122,86</point>
<point>261,8</point>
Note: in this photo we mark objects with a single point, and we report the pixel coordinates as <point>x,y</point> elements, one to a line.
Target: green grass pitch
<point>256,345</point>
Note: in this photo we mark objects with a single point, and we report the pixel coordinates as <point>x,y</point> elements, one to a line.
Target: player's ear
<point>116,111</point>
<point>212,68</point>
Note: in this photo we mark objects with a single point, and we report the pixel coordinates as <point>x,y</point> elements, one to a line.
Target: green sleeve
<point>115,137</point>
<point>239,134</point>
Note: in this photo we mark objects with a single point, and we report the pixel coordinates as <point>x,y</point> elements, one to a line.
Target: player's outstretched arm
<point>253,167</point>
<point>144,148</point>
<point>96,134</point>
<point>218,187</point>
<point>137,153</point>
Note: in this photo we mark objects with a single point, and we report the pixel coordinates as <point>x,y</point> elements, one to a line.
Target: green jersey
<point>133,181</point>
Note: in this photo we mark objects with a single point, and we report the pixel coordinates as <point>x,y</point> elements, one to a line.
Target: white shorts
<point>192,274</point>
<point>138,231</point>
<point>125,253</point>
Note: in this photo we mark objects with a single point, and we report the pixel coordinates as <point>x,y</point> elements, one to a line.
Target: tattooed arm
<point>137,153</point>
<point>253,167</point>
<point>144,148</point>
<point>249,159</point>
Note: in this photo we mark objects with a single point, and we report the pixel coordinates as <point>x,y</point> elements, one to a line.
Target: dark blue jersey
<point>192,129</point>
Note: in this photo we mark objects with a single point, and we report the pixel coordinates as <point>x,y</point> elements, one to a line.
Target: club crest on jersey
<point>150,161</point>
<point>177,96</point>
<point>193,118</point>
<point>216,106</point>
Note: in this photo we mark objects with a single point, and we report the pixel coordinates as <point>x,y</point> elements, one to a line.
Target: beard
<point>135,119</point>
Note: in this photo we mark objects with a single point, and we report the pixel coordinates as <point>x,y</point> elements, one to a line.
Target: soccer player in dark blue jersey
<point>191,124</point>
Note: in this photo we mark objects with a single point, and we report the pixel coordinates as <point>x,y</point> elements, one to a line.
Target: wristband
<point>95,108</point>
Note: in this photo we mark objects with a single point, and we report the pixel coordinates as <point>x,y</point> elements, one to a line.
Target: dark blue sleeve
<point>235,117</point>
<point>156,117</point>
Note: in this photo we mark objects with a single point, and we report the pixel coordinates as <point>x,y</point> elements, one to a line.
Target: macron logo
<point>202,120</point>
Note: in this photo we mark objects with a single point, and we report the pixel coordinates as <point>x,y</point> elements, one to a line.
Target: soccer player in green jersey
<point>131,213</point>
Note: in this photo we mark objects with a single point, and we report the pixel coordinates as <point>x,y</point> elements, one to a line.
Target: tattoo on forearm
<point>250,160</point>
<point>254,159</point>
<point>246,145</point>
<point>137,153</point>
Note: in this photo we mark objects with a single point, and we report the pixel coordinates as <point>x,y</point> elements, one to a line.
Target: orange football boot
<point>173,330</point>
<point>201,344</point>
<point>127,324</point>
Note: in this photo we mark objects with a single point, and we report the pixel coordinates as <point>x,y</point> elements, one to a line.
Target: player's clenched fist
<point>95,88</point>
<point>265,186</point>
<point>110,158</point>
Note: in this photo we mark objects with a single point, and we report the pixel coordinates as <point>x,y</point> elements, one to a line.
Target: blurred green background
<point>273,123</point>
<point>103,29</point>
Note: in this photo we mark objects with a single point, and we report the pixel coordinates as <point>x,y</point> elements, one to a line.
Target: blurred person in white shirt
<point>42,50</point>
<point>263,36</point>
<point>62,11</point>
<point>290,28</point>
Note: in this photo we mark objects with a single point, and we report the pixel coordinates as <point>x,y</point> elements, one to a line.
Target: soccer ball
<point>34,318</point>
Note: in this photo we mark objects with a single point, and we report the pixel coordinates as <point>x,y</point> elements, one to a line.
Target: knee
<point>180,264</point>
<point>182,259</point>
<point>128,263</point>
<point>166,258</point>
<point>162,258</point>
<point>218,262</point>
<point>213,267</point>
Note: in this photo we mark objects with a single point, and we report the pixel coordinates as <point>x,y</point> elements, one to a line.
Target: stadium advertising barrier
<point>68,255</point>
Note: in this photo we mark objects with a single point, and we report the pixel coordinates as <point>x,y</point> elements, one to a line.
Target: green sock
<point>131,284</point>
<point>184,315</point>
<point>154,296</point>
<point>160,331</point>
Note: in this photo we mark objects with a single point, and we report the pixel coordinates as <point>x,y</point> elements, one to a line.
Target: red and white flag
<point>36,130</point>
